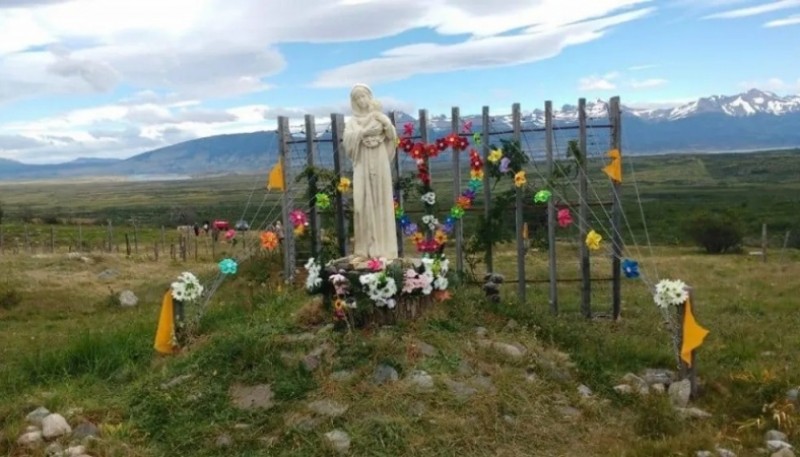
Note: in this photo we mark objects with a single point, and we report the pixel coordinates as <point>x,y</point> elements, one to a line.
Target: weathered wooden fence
<point>290,145</point>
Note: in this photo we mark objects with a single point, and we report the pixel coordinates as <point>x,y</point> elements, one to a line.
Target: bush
<point>717,232</point>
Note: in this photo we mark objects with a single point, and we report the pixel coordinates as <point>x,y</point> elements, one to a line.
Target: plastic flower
<point>375,264</point>
<point>440,237</point>
<point>564,217</point>
<point>475,185</point>
<point>323,200</point>
<point>476,138</point>
<point>504,164</point>
<point>299,230</point>
<point>519,178</point>
<point>630,268</point>
<point>542,196</point>
<point>228,266</point>
<point>230,234</point>
<point>298,217</point>
<point>417,237</point>
<point>670,292</point>
<point>187,287</point>
<point>429,198</point>
<point>410,229</point>
<point>593,240</point>
<point>269,240</point>
<point>476,174</point>
<point>344,184</point>
<point>457,212</point>
<point>495,156</point>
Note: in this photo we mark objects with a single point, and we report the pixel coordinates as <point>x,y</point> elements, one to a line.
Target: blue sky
<point>101,78</point>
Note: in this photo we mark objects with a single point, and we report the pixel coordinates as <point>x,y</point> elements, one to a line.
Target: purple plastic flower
<point>410,229</point>
<point>504,163</point>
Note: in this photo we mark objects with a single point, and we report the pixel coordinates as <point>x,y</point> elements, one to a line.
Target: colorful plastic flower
<point>464,202</point>
<point>593,240</point>
<point>504,164</point>
<point>269,240</point>
<point>230,234</point>
<point>630,268</point>
<point>564,217</point>
<point>408,129</point>
<point>440,237</point>
<point>298,217</point>
<point>323,201</point>
<point>428,198</point>
<point>410,229</point>
<point>299,230</point>
<point>519,178</point>
<point>228,266</point>
<point>476,174</point>
<point>375,264</point>
<point>495,155</point>
<point>542,196</point>
<point>457,212</point>
<point>417,237</point>
<point>476,138</point>
<point>475,185</point>
<point>344,184</point>
<point>670,293</point>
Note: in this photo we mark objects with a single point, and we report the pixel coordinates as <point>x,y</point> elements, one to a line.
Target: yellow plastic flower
<point>495,155</point>
<point>300,230</point>
<point>519,178</point>
<point>593,240</point>
<point>476,174</point>
<point>344,185</point>
<point>417,237</point>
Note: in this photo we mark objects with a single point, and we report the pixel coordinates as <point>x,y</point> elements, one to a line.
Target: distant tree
<point>717,232</point>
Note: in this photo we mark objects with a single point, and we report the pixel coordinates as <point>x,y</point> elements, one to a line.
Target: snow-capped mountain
<point>748,103</point>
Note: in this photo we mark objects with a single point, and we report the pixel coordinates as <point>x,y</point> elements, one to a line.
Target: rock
<point>75,451</point>
<point>658,388</point>
<point>385,373</point>
<point>509,350</point>
<point>342,375</point>
<point>327,408</point>
<point>176,381</point>
<point>775,435</point>
<point>304,423</point>
<point>481,332</point>
<point>84,430</point>
<point>37,415</point>
<point>327,328</point>
<point>510,420</point>
<point>30,439</point>
<point>54,425</point>
<point>511,325</point>
<point>623,389</point>
<point>339,440</point>
<point>311,362</point>
<point>31,428</point>
<point>224,440</point>
<point>421,381</point>
<point>679,393</point>
<point>569,412</point>
<point>464,368</point>
<point>785,452</point>
<point>722,452</point>
<point>658,376</point>
<point>637,384</point>
<point>793,394</point>
<point>298,338</point>
<point>107,275</point>
<point>252,397</point>
<point>128,298</point>
<point>777,445</point>
<point>584,391</point>
<point>483,382</point>
<point>703,454</point>
<point>53,450</point>
<point>460,390</point>
<point>426,349</point>
<point>692,413</point>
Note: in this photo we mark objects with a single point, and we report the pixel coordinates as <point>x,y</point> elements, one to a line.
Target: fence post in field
<point>288,236</point>
<point>459,227</point>
<point>52,239</point>
<point>314,221</point>
<point>519,215</point>
<point>163,238</point>
<point>616,211</point>
<point>155,250</point>
<point>425,137</point>
<point>337,131</point>
<point>486,128</point>
<point>551,208</point>
<point>195,250</point>
<point>397,190</point>
<point>783,249</point>
<point>184,246</point>
<point>127,246</point>
<point>110,236</point>
<point>27,239</point>
<point>135,238</point>
<point>80,237</point>
<point>764,242</point>
<point>583,184</point>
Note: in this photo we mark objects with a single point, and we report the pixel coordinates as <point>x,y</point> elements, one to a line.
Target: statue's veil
<point>360,87</point>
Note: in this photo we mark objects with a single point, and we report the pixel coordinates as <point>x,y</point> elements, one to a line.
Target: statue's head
<point>362,101</point>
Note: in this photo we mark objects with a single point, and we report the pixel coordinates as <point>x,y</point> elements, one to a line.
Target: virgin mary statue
<point>370,142</point>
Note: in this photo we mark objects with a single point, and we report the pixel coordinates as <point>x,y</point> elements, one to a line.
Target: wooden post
<point>337,132</point>
<point>459,225</point>
<point>783,249</point>
<point>685,371</point>
<point>288,236</point>
<point>425,137</point>
<point>163,238</point>
<point>52,239</point>
<point>127,246</point>
<point>80,237</point>
<point>184,247</point>
<point>110,236</point>
<point>486,128</point>
<point>764,242</point>
<point>519,215</point>
<point>586,283</point>
<point>398,192</point>
<point>314,223</point>
<point>615,116</point>
<point>551,208</point>
<point>155,250</point>
<point>135,238</point>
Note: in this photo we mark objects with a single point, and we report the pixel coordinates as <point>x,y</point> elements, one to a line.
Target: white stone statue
<point>370,142</point>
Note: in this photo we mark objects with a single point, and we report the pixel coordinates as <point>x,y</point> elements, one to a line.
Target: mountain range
<point>751,120</point>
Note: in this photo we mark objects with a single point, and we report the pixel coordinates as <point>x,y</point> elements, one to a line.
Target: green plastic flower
<point>457,212</point>
<point>542,196</point>
<point>323,200</point>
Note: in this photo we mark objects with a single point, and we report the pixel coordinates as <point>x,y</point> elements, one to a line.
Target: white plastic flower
<point>429,198</point>
<point>670,293</point>
<point>187,287</point>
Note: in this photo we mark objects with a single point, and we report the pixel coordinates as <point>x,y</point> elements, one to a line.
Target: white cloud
<point>777,85</point>
<point>755,10</point>
<point>791,20</point>
<point>647,83</point>
<point>595,83</point>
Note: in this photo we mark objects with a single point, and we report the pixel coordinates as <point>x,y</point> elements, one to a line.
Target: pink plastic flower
<point>298,217</point>
<point>564,217</point>
<point>375,264</point>
<point>230,234</point>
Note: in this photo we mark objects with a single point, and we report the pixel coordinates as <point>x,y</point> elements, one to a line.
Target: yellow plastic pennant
<point>166,326</point>
<point>275,180</point>
<point>693,334</point>
<point>614,169</point>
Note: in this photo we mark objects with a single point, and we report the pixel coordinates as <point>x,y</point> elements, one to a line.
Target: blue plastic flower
<point>630,268</point>
<point>410,229</point>
<point>228,266</point>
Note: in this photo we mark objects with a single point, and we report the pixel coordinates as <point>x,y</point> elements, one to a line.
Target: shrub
<point>717,232</point>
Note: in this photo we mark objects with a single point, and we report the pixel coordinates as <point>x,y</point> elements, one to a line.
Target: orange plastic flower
<point>269,240</point>
<point>464,202</point>
<point>519,179</point>
<point>418,237</point>
<point>344,185</point>
<point>476,174</point>
<point>300,230</point>
<point>440,237</point>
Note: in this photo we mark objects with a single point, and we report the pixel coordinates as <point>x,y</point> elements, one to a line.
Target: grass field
<point>66,344</point>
